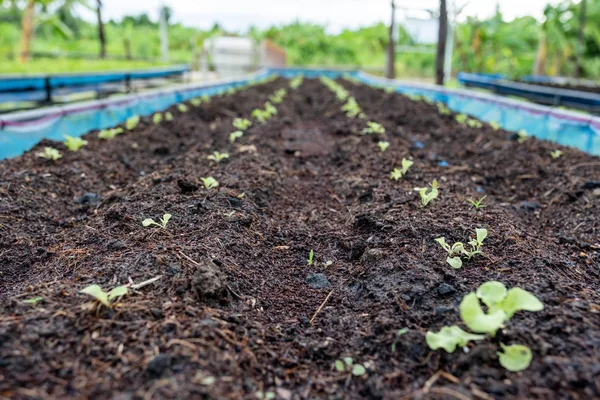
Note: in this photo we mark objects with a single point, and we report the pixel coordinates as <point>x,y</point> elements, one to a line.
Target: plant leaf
<point>481,234</point>
<point>117,292</point>
<point>478,321</point>
<point>449,337</point>
<point>492,293</point>
<point>148,222</point>
<point>33,300</point>
<point>518,299</point>
<point>515,357</point>
<point>455,262</point>
<point>358,370</point>
<point>339,366</point>
<point>349,361</point>
<point>96,292</point>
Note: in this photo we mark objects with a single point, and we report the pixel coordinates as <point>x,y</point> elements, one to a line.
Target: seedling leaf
<point>96,292</point>
<point>358,370</point>
<point>117,292</point>
<point>515,357</point>
<point>518,299</point>
<point>476,320</point>
<point>449,337</point>
<point>455,262</point>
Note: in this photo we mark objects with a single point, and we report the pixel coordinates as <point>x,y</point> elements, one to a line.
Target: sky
<point>239,15</point>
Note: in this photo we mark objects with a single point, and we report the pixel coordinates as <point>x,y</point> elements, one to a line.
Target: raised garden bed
<point>222,303</point>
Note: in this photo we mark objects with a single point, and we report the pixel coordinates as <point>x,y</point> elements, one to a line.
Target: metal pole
<point>391,54</point>
<point>164,39</point>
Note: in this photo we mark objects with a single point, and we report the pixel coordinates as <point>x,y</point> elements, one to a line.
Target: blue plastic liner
<point>19,132</point>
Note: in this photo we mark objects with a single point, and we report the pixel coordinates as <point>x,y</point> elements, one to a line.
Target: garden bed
<point>236,312</point>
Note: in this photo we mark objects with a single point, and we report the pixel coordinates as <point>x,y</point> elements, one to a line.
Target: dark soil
<point>235,309</point>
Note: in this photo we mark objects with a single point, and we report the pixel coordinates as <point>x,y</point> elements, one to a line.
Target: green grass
<point>58,65</point>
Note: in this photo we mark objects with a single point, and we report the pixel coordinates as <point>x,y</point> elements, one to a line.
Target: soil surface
<point>237,313</point>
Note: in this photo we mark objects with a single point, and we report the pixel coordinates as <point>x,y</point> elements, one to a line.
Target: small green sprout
<point>205,99</point>
<point>168,116</point>
<point>398,173</point>
<point>105,298</point>
<point>373,128</point>
<point>163,221</point>
<point>515,358</point>
<point>556,154</point>
<point>270,109</point>
<point>522,136</point>
<point>210,182</point>
<point>109,134</point>
<point>157,118</point>
<point>74,143</point>
<point>296,82</point>
<point>310,258</point>
<point>50,153</point>
<point>458,249</point>
<point>347,365</point>
<point>260,115</point>
<point>383,145</point>
<point>241,124</point>
<point>449,337</point>
<point>34,300</point>
<point>442,109</point>
<point>473,123</point>
<point>233,136</point>
<point>195,102</point>
<point>230,91</point>
<point>132,122</point>
<point>229,214</point>
<point>218,157</point>
<point>462,118</point>
<point>351,108</point>
<point>328,263</point>
<point>399,333</point>
<point>501,305</point>
<point>182,108</point>
<point>426,197</point>
<point>495,125</point>
<point>389,90</point>
<point>478,203</point>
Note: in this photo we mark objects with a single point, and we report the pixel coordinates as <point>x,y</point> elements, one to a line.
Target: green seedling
<point>399,333</point>
<point>241,124</point>
<point>556,154</point>
<point>50,153</point>
<point>442,109</point>
<point>103,297</point>
<point>427,195</point>
<point>310,258</point>
<point>296,82</point>
<point>218,157</point>
<point>157,118</point>
<point>522,136</point>
<point>230,91</point>
<point>195,102</point>
<point>229,214</point>
<point>389,90</point>
<point>351,108</point>
<point>210,182</point>
<point>458,249</point>
<point>205,99</point>
<point>270,109</point>
<point>168,116</point>
<point>398,173</point>
<point>33,301</point>
<point>132,122</point>
<point>515,358</point>
<point>501,305</point>
<point>373,128</point>
<point>182,108</point>
<point>462,118</point>
<point>109,134</point>
<point>260,115</point>
<point>383,146</point>
<point>346,364</point>
<point>233,136</point>
<point>328,263</point>
<point>74,143</point>
<point>478,203</point>
<point>163,221</point>
<point>473,123</point>
<point>495,125</point>
<point>450,337</point>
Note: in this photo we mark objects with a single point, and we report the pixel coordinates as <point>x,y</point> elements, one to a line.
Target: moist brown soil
<point>235,309</point>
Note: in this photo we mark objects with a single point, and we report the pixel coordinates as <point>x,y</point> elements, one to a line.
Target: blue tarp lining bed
<point>21,131</point>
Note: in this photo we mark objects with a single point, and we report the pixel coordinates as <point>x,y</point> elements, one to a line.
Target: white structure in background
<point>422,31</point>
<point>235,56</point>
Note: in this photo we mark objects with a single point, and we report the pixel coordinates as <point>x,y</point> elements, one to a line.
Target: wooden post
<point>391,53</point>
<point>101,35</point>
<point>441,46</point>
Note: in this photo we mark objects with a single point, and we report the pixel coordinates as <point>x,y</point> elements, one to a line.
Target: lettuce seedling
<point>210,182</point>
<point>218,157</point>
<point>522,136</point>
<point>373,128</point>
<point>310,258</point>
<point>205,99</point>
<point>351,108</point>
<point>427,197</point>
<point>168,116</point>
<point>163,221</point>
<point>74,143</point>
<point>495,125</point>
<point>396,174</point>
<point>462,118</point>
<point>105,298</point>
<point>233,136</point>
<point>241,124</point>
<point>442,109</point>
<point>478,203</point>
<point>50,153</point>
<point>157,118</point>
<point>270,109</point>
<point>347,365</point>
<point>132,122</point>
<point>501,306</point>
<point>389,90</point>
<point>182,108</point>
<point>457,249</point>
<point>449,337</point>
<point>195,102</point>
<point>34,300</point>
<point>260,115</point>
<point>399,173</point>
<point>383,145</point>
<point>296,82</point>
<point>556,154</point>
<point>515,357</point>
<point>109,134</point>
<point>473,123</point>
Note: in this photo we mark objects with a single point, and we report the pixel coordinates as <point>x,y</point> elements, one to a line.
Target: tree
<point>441,45</point>
<point>581,38</point>
<point>391,50</point>
<point>101,35</point>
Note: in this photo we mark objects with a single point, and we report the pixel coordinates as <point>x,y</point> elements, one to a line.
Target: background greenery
<point>491,46</point>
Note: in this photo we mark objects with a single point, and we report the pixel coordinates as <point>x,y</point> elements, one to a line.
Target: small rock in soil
<point>441,310</point>
<point>158,365</point>
<point>186,187</point>
<point>208,281</point>
<point>530,205</point>
<point>317,281</point>
<point>89,198</point>
<point>371,255</point>
<point>596,192</point>
<point>445,289</point>
<point>366,196</point>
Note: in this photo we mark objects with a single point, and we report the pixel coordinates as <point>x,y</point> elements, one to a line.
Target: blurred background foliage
<point>489,46</point>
